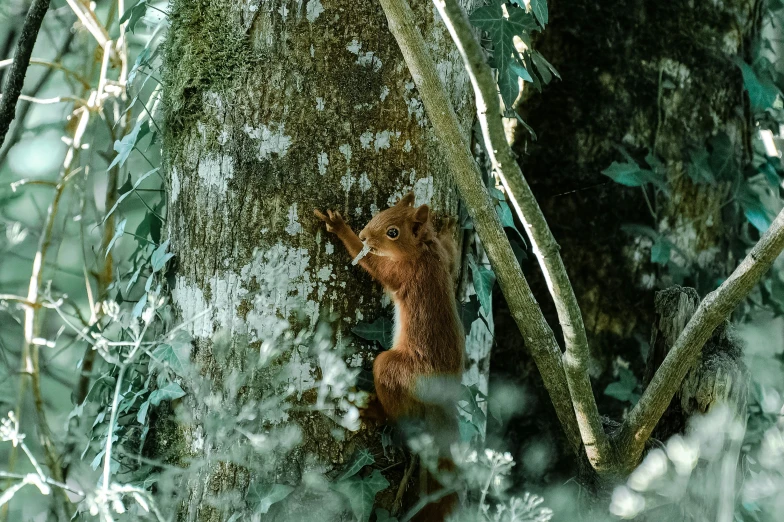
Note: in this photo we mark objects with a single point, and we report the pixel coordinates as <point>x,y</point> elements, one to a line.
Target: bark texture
<point>274,109</point>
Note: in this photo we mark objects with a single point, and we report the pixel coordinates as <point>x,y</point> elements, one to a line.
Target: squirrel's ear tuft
<point>421,214</point>
<point>407,200</point>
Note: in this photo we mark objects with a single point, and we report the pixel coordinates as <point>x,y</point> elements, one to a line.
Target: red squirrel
<point>417,378</point>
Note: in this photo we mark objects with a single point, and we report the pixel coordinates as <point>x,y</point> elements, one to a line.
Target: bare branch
<point>525,310</point>
<point>505,165</point>
<point>714,309</point>
<point>12,87</point>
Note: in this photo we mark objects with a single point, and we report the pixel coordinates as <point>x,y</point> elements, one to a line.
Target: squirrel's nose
<point>362,236</point>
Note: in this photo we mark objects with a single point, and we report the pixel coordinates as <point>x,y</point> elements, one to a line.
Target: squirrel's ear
<point>406,201</point>
<point>421,214</point>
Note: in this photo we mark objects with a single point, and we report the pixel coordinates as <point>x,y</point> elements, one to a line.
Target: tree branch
<point>714,309</point>
<point>12,87</point>
<point>505,165</point>
<point>525,310</point>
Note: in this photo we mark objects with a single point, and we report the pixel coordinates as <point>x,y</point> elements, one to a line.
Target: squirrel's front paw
<point>333,220</point>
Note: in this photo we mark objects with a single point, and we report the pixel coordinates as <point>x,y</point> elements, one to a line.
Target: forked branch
<point>714,309</point>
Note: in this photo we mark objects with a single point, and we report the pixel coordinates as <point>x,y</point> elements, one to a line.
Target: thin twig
<point>714,309</point>
<point>12,87</point>
<point>575,360</point>
<point>536,332</point>
<point>56,65</point>
<point>23,108</point>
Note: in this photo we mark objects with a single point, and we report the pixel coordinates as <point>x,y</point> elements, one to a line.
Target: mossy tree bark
<point>274,109</point>
<point>640,77</point>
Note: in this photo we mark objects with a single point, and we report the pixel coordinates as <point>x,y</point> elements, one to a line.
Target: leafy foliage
<point>503,22</point>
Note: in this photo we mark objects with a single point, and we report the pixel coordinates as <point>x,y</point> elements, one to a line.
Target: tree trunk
<point>273,110</point>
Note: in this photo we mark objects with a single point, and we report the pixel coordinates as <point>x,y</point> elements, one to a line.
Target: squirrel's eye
<point>392,233</point>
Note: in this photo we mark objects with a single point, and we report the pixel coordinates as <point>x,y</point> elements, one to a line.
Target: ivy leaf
<point>754,210</point>
<point>507,219</point>
<point>382,515</point>
<point>361,459</point>
<point>469,312</point>
<point>723,159</point>
<point>539,8</point>
<point>524,124</point>
<point>699,169</point>
<point>484,280</point>
<point>175,357</point>
<point>508,86</point>
<point>361,493</point>
<point>119,230</point>
<point>138,308</point>
<point>762,92</point>
<point>125,191</point>
<point>124,147</point>
<point>660,252</point>
<point>502,28</point>
<point>543,67</point>
<point>623,389</point>
<point>168,393</point>
<point>134,14</point>
<point>379,330</point>
<point>262,496</point>
<point>631,175</point>
<point>160,257</point>
<point>141,416</point>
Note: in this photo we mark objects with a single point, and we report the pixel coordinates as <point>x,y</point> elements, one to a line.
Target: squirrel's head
<point>399,231</point>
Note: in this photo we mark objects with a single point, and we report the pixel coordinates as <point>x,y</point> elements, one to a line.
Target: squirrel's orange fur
<point>417,378</point>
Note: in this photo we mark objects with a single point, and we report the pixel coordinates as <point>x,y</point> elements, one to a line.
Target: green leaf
<point>379,330</point>
<point>502,29</point>
<point>539,7</point>
<point>382,515</point>
<point>119,230</point>
<point>762,92</point>
<point>723,158</point>
<point>361,493</point>
<point>521,71</point>
<point>124,147</point>
<point>141,416</point>
<point>699,169</point>
<point>623,389</point>
<point>543,67</point>
<point>125,193</point>
<point>524,124</point>
<point>362,458</point>
<point>754,210</point>
<point>483,280</point>
<point>138,308</point>
<point>175,357</point>
<point>508,86</point>
<point>469,312</point>
<point>134,14</point>
<point>262,496</point>
<point>660,252</point>
<point>168,393</point>
<point>507,219</point>
<point>631,175</point>
<point>160,257</point>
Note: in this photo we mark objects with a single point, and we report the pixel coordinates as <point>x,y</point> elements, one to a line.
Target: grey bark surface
<point>274,109</point>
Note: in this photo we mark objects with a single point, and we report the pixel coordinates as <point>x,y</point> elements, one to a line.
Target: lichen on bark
<point>274,109</point>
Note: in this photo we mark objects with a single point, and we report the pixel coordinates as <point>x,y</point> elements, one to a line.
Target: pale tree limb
<point>575,360</point>
<point>536,332</point>
<point>12,87</point>
<point>714,309</point>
